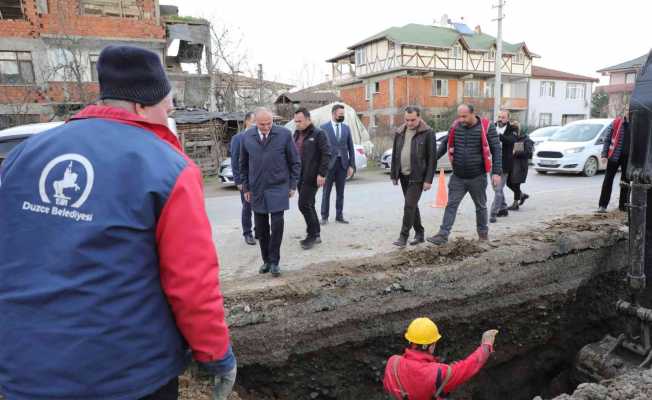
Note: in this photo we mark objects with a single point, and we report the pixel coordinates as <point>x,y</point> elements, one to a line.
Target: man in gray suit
<point>269,171</point>
<point>342,163</point>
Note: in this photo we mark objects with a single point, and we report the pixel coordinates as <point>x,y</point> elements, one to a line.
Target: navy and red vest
<point>615,136</point>
<point>486,151</point>
<point>100,295</point>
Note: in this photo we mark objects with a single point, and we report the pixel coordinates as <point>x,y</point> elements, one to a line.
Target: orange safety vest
<point>486,152</point>
<point>615,135</point>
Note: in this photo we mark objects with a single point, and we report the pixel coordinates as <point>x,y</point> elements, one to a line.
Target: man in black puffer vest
<point>475,150</point>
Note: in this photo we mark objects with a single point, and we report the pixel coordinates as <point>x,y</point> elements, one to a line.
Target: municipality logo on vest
<point>64,186</point>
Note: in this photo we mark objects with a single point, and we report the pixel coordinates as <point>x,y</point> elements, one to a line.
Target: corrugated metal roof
<point>631,64</point>
<point>541,72</point>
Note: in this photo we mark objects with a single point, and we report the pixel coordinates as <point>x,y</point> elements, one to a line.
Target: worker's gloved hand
<point>489,337</point>
<point>224,371</point>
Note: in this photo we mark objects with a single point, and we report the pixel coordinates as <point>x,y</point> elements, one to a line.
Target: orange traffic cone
<point>441,201</point>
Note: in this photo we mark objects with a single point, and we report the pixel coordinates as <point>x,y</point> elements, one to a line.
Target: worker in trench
<point>418,375</point>
<point>109,274</point>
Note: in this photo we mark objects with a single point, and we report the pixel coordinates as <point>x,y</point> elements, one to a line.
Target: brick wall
<point>63,18</point>
<point>355,97</point>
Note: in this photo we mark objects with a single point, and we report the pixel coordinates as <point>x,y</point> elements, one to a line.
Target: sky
<point>292,38</point>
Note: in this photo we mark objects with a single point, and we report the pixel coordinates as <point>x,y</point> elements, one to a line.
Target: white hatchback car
<point>575,148</point>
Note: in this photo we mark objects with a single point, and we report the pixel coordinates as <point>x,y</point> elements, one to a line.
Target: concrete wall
<point>558,105</point>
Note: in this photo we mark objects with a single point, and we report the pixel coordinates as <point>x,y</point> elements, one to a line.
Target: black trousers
<point>168,392</point>
<point>269,236</point>
<point>307,195</point>
<point>607,184</point>
<point>514,187</point>
<point>246,215</point>
<point>336,175</point>
<point>411,216</point>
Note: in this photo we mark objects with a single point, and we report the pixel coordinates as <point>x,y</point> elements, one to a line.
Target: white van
<point>575,148</point>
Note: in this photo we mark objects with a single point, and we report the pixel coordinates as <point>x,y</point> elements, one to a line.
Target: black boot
<point>418,239</point>
<point>400,242</point>
<point>523,198</point>
<point>513,207</point>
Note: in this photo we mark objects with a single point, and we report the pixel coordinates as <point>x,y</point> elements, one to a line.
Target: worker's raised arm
<point>189,270</point>
<point>463,371</point>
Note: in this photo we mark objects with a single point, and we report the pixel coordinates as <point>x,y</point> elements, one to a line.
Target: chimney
<point>477,29</point>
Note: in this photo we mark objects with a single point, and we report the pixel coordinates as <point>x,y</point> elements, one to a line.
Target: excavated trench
<point>326,332</point>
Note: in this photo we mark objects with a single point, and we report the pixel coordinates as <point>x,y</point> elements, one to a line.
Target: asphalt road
<point>375,208</point>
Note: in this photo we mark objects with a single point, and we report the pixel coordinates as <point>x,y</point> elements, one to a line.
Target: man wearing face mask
<point>342,163</point>
<point>507,134</point>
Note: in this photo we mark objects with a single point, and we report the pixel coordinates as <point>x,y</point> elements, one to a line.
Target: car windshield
<point>543,133</point>
<point>7,146</point>
<point>577,133</point>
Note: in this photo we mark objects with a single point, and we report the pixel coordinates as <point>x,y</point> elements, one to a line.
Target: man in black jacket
<point>616,151</point>
<point>314,152</point>
<point>413,165</point>
<point>475,151</point>
<point>507,135</point>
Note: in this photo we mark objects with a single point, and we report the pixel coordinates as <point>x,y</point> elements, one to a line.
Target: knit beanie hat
<point>133,74</point>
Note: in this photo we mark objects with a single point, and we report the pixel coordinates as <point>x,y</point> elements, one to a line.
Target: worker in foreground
<point>109,274</point>
<point>417,375</point>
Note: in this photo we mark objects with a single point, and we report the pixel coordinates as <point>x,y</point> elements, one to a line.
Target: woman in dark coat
<point>523,148</point>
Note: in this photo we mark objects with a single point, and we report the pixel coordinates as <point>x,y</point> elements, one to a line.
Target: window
<point>547,89</point>
<point>489,89</point>
<point>360,58</point>
<point>93,60</point>
<point>630,77</point>
<point>11,9</point>
<point>575,91</point>
<point>545,119</point>
<point>456,52</point>
<point>519,89</point>
<point>16,67</point>
<point>492,54</point>
<point>471,88</point>
<point>112,8</point>
<point>519,58</point>
<point>376,87</point>
<point>440,87</point>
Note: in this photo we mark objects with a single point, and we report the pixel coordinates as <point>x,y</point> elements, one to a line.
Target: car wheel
<point>542,172</point>
<point>590,167</point>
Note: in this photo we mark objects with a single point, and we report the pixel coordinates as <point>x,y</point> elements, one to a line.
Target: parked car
<point>12,137</point>
<point>443,162</point>
<point>574,148</point>
<point>544,134</point>
<point>226,172</point>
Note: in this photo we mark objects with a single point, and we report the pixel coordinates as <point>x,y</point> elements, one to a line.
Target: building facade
<point>49,50</point>
<point>556,97</point>
<point>435,67</point>
<point>621,83</point>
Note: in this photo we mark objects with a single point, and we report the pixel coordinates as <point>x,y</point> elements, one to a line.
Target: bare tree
<point>225,62</point>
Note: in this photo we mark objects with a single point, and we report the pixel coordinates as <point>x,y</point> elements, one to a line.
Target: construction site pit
<point>326,332</point>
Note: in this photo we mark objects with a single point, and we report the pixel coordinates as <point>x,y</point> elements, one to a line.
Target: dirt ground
<point>326,330</point>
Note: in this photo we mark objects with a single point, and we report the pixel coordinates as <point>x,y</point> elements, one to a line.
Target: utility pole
<point>498,62</point>
<point>260,84</point>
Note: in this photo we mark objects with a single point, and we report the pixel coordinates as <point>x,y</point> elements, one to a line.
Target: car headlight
<point>574,150</point>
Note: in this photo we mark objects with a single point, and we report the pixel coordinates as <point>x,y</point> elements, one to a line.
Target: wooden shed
<point>205,136</point>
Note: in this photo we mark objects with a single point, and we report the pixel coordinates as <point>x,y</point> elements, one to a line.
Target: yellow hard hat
<point>422,331</point>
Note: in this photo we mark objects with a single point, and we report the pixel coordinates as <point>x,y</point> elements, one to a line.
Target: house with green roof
<point>433,66</point>
<point>621,83</point>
